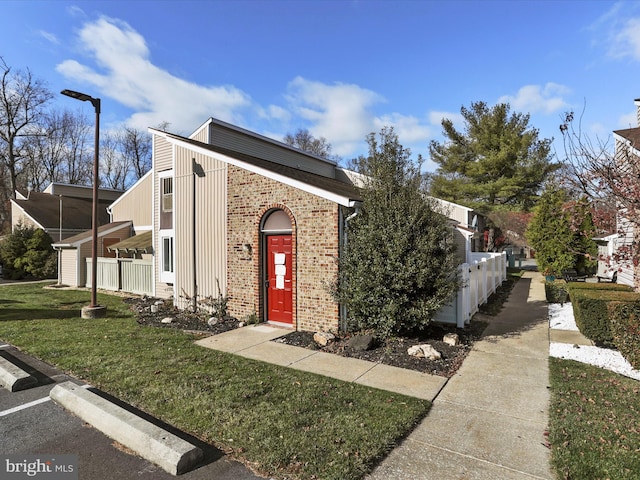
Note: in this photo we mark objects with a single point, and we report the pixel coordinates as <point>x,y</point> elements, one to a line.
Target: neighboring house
<point>627,145</point>
<point>468,227</point>
<point>61,210</point>
<point>75,250</point>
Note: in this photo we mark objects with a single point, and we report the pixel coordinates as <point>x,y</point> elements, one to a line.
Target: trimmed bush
<point>625,328</point>
<point>556,291</point>
<point>598,286</point>
<point>590,309</point>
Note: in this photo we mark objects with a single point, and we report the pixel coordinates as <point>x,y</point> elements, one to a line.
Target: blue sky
<point>341,69</point>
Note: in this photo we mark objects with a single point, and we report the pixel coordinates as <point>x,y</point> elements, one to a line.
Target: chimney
<point>637,104</point>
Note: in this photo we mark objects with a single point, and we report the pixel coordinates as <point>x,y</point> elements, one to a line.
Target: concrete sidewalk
<point>256,342</point>
<point>487,422</point>
<point>490,419</point>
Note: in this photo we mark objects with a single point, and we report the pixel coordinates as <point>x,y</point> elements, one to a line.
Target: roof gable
<point>320,185</point>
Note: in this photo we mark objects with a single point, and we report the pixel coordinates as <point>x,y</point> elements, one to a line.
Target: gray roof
<point>319,181</point>
<point>76,212</point>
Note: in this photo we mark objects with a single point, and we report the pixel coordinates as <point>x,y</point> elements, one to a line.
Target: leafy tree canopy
<point>497,162</point>
<point>561,233</point>
<point>398,267</point>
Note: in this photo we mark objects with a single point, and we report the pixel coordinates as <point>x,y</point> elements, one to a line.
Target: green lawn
<point>284,423</point>
<point>594,423</point>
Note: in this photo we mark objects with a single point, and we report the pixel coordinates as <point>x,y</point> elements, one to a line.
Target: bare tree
<point>114,165</point>
<point>303,140</point>
<point>610,179</point>
<point>136,148</point>
<point>22,101</point>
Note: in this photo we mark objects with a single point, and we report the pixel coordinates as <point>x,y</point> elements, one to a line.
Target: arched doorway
<point>277,267</point>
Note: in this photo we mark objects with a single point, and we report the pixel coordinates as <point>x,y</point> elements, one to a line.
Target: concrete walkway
<point>255,342</point>
<point>487,422</point>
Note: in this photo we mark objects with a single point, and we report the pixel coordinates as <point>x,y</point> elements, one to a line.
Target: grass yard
<point>282,422</point>
<point>594,423</point>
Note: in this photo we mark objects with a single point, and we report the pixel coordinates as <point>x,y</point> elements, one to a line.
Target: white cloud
<point>629,120</point>
<point>49,37</point>
<point>408,128</point>
<point>618,31</point>
<point>627,41</point>
<point>127,75</point>
<point>435,118</point>
<point>119,67</point>
<point>538,99</point>
<point>341,113</point>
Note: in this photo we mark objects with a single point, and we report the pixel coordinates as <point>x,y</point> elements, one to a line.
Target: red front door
<point>279,278</point>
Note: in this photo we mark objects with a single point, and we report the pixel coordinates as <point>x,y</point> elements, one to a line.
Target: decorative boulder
<point>323,338</point>
<point>451,339</point>
<point>167,320</point>
<point>424,351</point>
<point>361,343</point>
<point>212,321</point>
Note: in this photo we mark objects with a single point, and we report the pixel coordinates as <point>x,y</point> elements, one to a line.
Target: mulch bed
<point>392,352</point>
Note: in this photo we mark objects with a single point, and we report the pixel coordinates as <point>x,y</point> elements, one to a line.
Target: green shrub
<point>27,253</point>
<point>590,309</point>
<point>625,328</point>
<point>556,291</point>
<point>598,286</point>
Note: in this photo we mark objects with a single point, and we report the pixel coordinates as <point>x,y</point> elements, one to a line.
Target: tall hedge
<point>625,329</point>
<point>590,308</point>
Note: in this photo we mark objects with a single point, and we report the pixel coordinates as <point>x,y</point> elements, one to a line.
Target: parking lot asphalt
<point>30,423</point>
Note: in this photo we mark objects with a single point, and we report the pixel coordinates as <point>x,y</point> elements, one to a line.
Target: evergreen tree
<point>497,162</point>
<point>27,252</point>
<point>561,233</point>
<point>398,268</point>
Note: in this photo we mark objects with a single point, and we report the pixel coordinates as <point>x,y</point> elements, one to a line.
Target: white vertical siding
<point>211,218</point>
<point>69,267</point>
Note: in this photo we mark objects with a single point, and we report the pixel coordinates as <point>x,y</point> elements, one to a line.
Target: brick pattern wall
<point>315,246</point>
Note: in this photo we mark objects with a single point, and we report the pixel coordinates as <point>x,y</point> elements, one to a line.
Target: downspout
<point>344,227</point>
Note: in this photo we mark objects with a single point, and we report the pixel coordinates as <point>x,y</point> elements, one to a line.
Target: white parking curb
<point>13,378</point>
<point>151,442</point>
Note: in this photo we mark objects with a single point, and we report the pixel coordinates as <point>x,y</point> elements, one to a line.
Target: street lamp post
<point>93,310</point>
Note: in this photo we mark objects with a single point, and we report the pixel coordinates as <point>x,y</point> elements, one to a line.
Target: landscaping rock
<point>167,320</point>
<point>212,321</point>
<point>451,339</point>
<point>323,338</point>
<point>361,343</point>
<point>154,308</point>
<point>424,351</point>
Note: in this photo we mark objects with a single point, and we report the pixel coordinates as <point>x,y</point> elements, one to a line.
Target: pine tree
<point>497,162</point>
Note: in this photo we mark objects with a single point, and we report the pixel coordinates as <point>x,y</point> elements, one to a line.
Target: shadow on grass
<point>22,314</point>
<point>3,301</point>
<point>211,453</point>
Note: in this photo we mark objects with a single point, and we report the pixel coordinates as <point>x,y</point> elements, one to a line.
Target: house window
<point>167,194</point>
<point>166,270</point>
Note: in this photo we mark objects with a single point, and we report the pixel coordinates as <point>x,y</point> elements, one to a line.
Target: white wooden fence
<point>123,274</point>
<point>478,280</point>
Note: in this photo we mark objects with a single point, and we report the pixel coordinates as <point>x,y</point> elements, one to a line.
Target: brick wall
<point>315,246</point>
